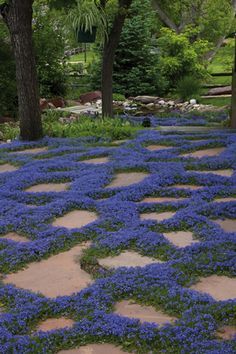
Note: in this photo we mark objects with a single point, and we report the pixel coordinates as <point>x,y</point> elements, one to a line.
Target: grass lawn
<point>218,101</point>
<point>223,60</point>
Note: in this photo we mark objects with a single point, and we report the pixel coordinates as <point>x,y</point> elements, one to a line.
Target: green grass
<point>81,58</point>
<point>218,101</point>
<point>223,60</point>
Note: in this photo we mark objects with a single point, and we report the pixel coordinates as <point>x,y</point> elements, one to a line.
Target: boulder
<point>91,97</point>
<point>43,104</point>
<point>6,120</point>
<point>145,99</point>
<point>58,102</point>
<point>227,90</point>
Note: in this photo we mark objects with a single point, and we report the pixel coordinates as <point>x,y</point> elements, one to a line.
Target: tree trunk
<point>109,50</point>
<point>233,99</point>
<point>18,17</point>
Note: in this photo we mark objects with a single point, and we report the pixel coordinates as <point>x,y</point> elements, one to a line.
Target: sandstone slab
<point>75,219</point>
<point>206,152</point>
<point>59,275</point>
<point>55,323</point>
<point>32,151</point>
<point>48,187</point>
<point>224,200</point>
<point>223,173</point>
<point>13,236</point>
<point>228,225</point>
<point>127,179</point>
<point>95,349</point>
<point>143,313</point>
<point>158,147</point>
<point>227,332</point>
<point>181,238</point>
<point>96,161</point>
<point>161,199</point>
<point>186,186</point>
<point>219,287</point>
<point>157,216</point>
<point>127,259</point>
<point>7,168</point>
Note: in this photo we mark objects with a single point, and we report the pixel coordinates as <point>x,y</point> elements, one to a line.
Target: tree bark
<point>18,17</point>
<point>233,98</point>
<point>109,50</point>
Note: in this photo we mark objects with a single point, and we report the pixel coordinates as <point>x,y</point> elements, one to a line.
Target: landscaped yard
<point>130,243</point>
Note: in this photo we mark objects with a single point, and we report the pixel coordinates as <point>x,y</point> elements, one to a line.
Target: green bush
<point>49,44</point>
<point>135,66</point>
<point>180,57</point>
<point>110,128</point>
<point>188,87</point>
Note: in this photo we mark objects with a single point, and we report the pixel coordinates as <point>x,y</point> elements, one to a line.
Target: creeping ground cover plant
<point>175,194</point>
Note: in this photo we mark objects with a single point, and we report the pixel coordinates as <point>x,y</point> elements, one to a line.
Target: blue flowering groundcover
<point>166,286</point>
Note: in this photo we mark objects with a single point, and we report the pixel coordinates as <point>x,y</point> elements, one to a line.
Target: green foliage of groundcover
<point>98,128</point>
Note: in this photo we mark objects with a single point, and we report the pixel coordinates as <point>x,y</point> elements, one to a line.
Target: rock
<point>57,102</point>
<point>162,103</point>
<point>51,106</point>
<point>171,103</point>
<point>145,99</point>
<point>43,104</point>
<point>6,120</point>
<point>193,101</point>
<point>150,106</point>
<point>227,90</point>
<point>91,97</point>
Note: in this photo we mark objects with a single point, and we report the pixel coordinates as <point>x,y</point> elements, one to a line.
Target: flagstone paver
<point>127,259</point>
<point>127,179</point>
<point>206,152</point>
<point>186,186</point>
<point>181,238</point>
<point>7,168</point>
<point>157,216</point>
<point>48,187</point>
<point>75,219</point>
<point>55,323</point>
<point>158,147</point>
<point>224,200</point>
<point>143,313</point>
<point>228,225</point>
<point>219,287</point>
<point>95,349</point>
<point>224,173</point>
<point>227,332</point>
<point>96,161</point>
<point>31,151</point>
<point>58,275</point>
<point>161,199</point>
<point>13,236</point>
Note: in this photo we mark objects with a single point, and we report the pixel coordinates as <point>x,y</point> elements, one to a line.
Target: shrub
<point>188,87</point>
<point>135,66</point>
<point>49,47</point>
<point>180,56</point>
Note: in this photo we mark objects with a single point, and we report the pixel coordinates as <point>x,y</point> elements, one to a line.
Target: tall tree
<point>233,98</point>
<point>213,17</point>
<point>18,17</point>
<point>109,50</point>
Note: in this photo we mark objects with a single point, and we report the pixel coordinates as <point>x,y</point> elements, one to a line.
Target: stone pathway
<point>80,286</point>
<point>58,275</point>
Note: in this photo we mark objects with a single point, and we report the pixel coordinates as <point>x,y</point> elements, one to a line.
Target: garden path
<point>122,247</point>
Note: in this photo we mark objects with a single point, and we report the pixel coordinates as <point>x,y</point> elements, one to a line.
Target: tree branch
<point>164,17</point>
